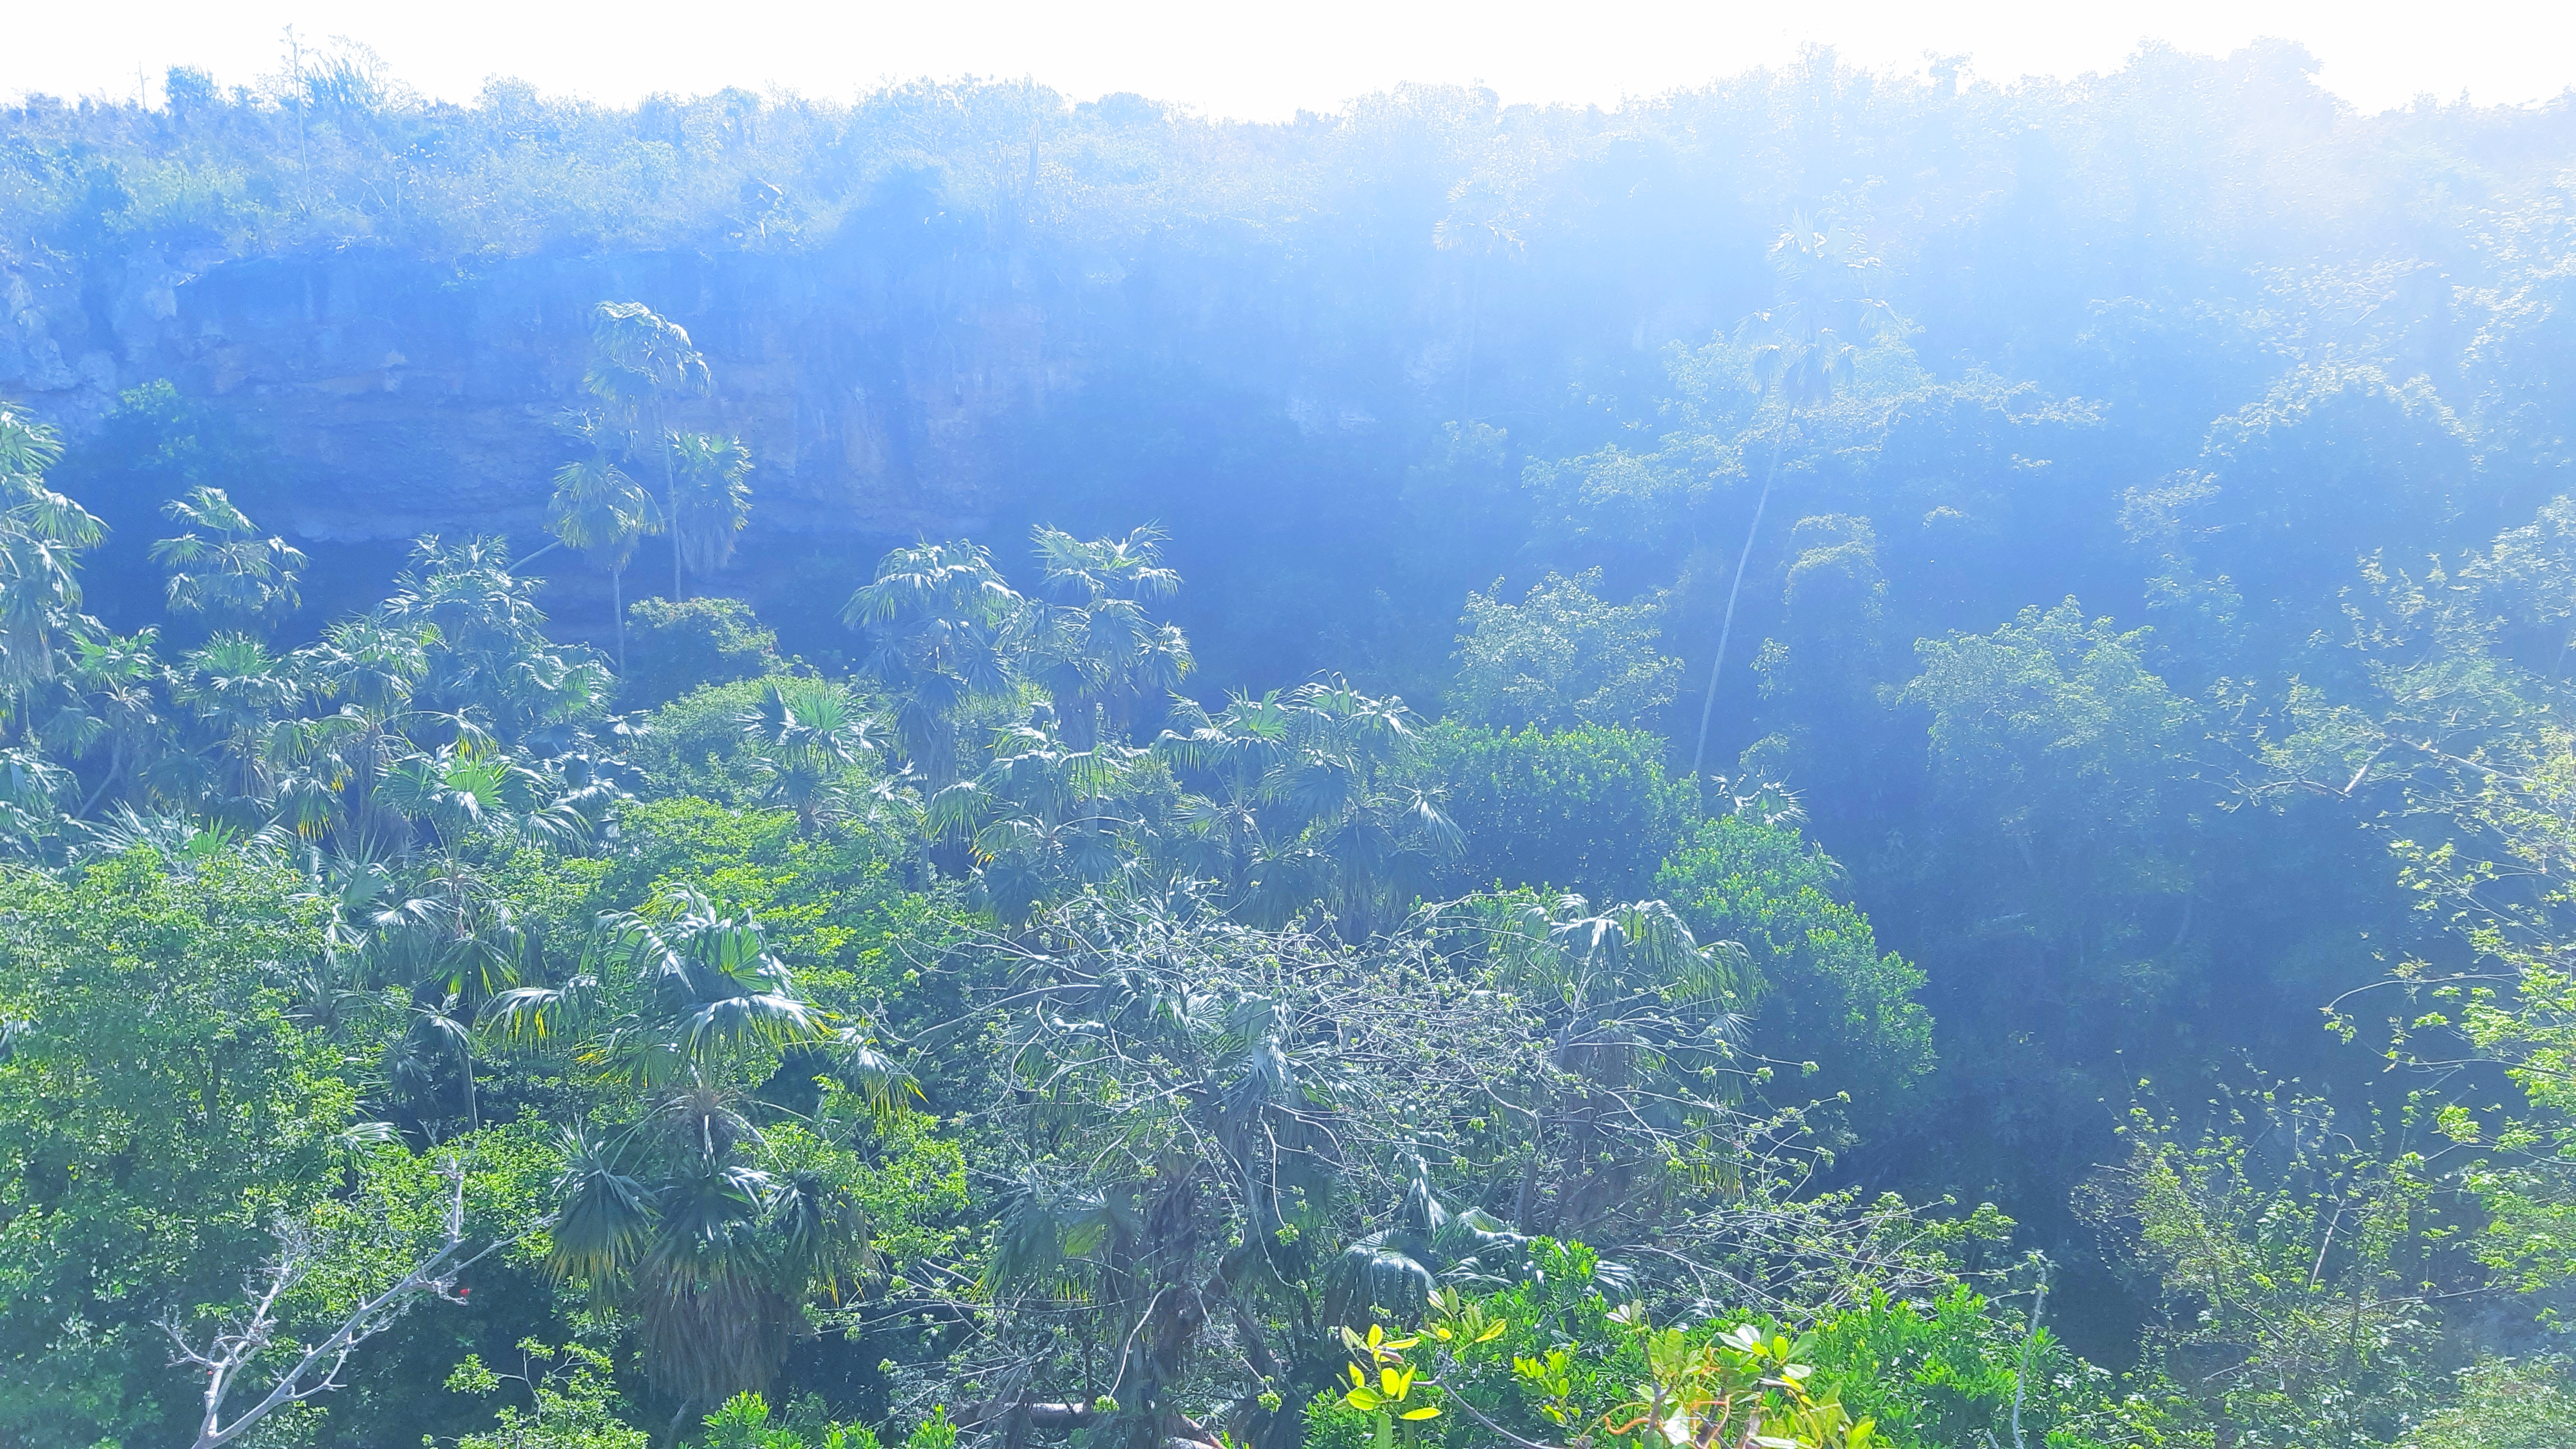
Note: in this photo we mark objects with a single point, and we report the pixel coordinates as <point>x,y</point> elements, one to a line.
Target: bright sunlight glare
<point>1266,61</point>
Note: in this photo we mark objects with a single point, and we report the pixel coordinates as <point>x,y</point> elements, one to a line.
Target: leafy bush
<point>1561,658</point>
<point>2503,1405</point>
<point>159,1109</point>
<point>673,647</point>
<point>1832,997</point>
<point>694,744</point>
<point>1589,809</point>
<point>573,1401</point>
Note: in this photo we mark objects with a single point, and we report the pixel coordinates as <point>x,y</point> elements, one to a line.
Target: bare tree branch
<point>237,1346</point>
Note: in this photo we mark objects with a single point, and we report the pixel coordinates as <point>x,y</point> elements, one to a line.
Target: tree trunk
<point>670,500</point>
<point>1708,707</point>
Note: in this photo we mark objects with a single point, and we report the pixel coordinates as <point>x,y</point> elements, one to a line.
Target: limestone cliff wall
<point>407,397</point>
<point>877,378</point>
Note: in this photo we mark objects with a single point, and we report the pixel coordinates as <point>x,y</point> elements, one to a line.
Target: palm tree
<point>331,765</point>
<point>601,512</point>
<point>454,943</point>
<point>1237,752</point>
<point>1355,835</point>
<point>676,1216</point>
<point>240,692</point>
<point>711,990</point>
<point>807,735</point>
<point>468,790</point>
<point>677,1219</point>
<point>107,698</point>
<point>1093,649</point>
<point>32,792</point>
<point>638,361</point>
<point>42,535</point>
<point>228,571</point>
<point>1041,815</point>
<point>492,656</point>
<point>1807,345</point>
<point>710,499</point>
<point>943,628</point>
<point>417,1062</point>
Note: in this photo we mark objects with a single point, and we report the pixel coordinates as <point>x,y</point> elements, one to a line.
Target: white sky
<point>1266,60</point>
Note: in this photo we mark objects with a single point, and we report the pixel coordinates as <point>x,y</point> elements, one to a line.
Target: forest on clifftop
<point>1832,759</point>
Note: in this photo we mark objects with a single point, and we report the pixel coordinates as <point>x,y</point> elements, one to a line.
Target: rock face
<point>879,379</point>
<point>406,397</point>
<point>1260,390</point>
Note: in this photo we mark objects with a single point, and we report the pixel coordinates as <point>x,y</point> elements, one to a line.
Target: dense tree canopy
<point>1690,776</point>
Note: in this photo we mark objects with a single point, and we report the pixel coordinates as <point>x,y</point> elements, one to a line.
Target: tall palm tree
<point>107,700</point>
<point>1041,815</point>
<point>943,629</point>
<point>639,361</point>
<point>222,567</point>
<point>600,511</point>
<point>492,654</point>
<point>42,535</point>
<point>32,793</point>
<point>1236,754</point>
<point>239,691</point>
<point>1354,834</point>
<point>1804,350</point>
<point>331,765</point>
<point>1092,646</point>
<point>710,497</point>
<point>675,1215</point>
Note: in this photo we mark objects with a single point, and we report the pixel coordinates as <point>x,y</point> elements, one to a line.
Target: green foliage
<point>1956,1369</point>
<point>2460,738</point>
<point>807,738</point>
<point>745,1422</point>
<point>640,364</point>
<point>1562,1357</point>
<point>2278,477</point>
<point>2299,1261</point>
<point>933,1432</point>
<point>834,902</point>
<point>573,1401</point>
<point>1621,1382</point>
<point>159,1111</point>
<point>2053,731</point>
<point>1562,658</point>
<point>492,651</point>
<point>2502,1405</point>
<point>228,571</point>
<point>1587,809</point>
<point>676,646</point>
<point>694,745</point>
<point>1824,660</point>
<point>1833,999</point>
<point>42,535</point>
<point>680,1201</point>
<point>1212,1074</point>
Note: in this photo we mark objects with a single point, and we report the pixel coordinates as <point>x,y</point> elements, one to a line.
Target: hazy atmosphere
<point>1403,727</point>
